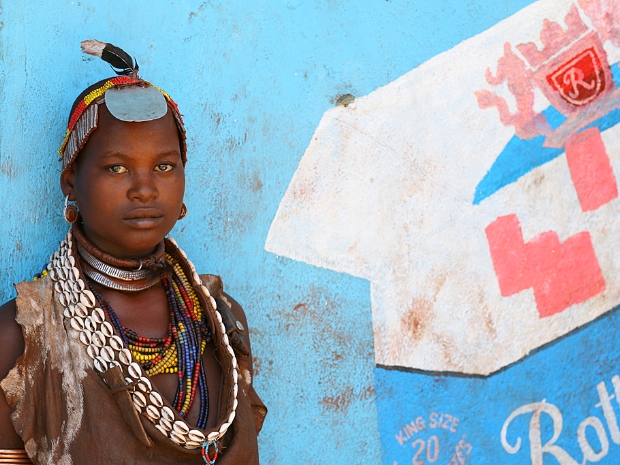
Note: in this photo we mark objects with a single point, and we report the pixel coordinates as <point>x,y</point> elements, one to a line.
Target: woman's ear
<point>67,180</point>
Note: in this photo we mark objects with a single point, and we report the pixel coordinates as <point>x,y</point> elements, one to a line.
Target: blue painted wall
<point>466,414</point>
<point>253,80</point>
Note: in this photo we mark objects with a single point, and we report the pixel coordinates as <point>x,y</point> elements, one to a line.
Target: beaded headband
<point>84,118</point>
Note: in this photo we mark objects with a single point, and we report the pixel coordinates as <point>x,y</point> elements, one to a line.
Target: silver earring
<point>71,211</point>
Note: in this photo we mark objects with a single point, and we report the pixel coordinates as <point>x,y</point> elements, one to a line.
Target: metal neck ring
<point>140,267</point>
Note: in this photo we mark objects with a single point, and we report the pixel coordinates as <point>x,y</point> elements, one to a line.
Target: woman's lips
<point>144,218</point>
<point>144,222</point>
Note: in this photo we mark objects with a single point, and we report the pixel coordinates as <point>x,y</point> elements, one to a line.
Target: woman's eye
<point>117,169</point>
<point>164,167</point>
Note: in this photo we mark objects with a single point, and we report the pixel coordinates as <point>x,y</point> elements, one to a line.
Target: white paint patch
<point>385,192</point>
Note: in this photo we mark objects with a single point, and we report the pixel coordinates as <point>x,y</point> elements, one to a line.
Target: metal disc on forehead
<point>136,104</point>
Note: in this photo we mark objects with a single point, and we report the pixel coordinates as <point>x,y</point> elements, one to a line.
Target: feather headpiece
<point>129,98</point>
<point>119,59</point>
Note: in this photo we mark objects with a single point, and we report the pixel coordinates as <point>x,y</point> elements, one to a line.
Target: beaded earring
<point>71,211</point>
<point>183,213</point>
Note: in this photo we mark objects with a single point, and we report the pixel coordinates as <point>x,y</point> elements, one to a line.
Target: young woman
<point>119,352</point>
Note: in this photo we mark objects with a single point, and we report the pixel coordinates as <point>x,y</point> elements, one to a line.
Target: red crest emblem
<point>581,80</point>
<point>576,77</point>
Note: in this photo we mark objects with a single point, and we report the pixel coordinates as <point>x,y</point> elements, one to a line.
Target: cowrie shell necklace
<point>107,350</point>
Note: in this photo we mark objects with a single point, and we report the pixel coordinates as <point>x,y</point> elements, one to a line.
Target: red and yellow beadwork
<point>167,361</point>
<point>99,92</point>
<point>87,100</point>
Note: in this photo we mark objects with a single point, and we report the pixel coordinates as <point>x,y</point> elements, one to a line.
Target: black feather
<point>120,60</point>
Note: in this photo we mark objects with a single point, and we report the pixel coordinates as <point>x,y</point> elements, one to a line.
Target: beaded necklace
<point>180,351</point>
<point>87,323</point>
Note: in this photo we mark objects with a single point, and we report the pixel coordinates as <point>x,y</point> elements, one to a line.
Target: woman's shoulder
<point>233,317</point>
<point>12,340</point>
<point>238,331</point>
<point>237,311</point>
<point>11,348</point>
<point>216,288</point>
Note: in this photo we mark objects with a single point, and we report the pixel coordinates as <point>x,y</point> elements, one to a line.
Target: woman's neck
<point>131,261</point>
<point>122,274</point>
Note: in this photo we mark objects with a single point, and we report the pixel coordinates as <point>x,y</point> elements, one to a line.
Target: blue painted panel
<point>474,410</point>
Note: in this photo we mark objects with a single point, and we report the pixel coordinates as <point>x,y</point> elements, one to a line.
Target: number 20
<point>432,447</point>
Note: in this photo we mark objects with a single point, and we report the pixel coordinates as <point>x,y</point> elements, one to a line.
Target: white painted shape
<point>385,190</point>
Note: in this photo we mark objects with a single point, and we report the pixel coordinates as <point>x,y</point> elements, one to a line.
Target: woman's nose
<point>143,186</point>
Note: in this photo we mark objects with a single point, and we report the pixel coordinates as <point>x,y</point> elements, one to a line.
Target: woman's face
<point>128,182</point>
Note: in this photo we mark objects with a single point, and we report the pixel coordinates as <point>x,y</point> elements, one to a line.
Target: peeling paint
<point>341,402</point>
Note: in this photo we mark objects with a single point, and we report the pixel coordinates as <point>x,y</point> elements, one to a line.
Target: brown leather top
<point>66,414</point>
